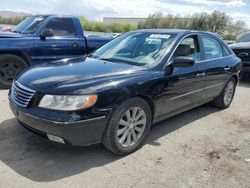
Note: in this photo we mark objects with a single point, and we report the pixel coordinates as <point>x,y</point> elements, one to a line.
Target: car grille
<point>21,95</point>
<point>244,54</point>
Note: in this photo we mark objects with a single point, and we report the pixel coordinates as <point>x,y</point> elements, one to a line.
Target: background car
<point>242,49</point>
<point>40,39</point>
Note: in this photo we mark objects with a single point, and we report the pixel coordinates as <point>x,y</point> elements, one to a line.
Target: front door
<point>63,44</point>
<point>185,84</point>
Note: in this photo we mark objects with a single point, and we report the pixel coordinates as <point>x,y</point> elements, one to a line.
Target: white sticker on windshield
<point>159,36</point>
<point>38,19</point>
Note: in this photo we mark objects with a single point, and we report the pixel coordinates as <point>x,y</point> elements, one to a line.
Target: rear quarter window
<point>226,50</point>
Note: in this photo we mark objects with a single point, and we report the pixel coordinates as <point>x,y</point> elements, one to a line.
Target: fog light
<point>55,138</point>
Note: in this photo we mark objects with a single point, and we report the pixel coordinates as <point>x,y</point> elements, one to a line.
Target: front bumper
<point>77,133</point>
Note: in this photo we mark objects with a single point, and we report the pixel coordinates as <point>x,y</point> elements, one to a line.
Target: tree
<point>218,21</point>
<point>234,30</point>
<point>199,21</point>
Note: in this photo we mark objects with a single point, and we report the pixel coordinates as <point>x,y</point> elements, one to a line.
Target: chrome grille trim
<point>21,95</point>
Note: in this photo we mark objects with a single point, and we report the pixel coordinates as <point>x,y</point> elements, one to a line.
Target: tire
<point>119,125</point>
<point>10,66</point>
<point>225,98</point>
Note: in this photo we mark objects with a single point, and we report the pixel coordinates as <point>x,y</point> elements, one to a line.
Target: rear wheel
<point>10,66</point>
<point>225,99</point>
<point>128,127</point>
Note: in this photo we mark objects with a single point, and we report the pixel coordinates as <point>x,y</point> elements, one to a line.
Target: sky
<point>97,9</point>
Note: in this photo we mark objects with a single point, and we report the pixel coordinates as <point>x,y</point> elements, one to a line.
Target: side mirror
<point>46,33</point>
<point>183,61</point>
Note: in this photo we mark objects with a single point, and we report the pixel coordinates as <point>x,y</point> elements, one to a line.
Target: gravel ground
<point>204,147</point>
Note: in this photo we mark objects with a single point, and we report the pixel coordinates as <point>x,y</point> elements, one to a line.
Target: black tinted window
<point>62,27</point>
<point>226,51</point>
<point>212,48</point>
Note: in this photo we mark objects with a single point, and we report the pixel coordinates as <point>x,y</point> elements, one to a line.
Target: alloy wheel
<point>229,92</point>
<point>131,126</point>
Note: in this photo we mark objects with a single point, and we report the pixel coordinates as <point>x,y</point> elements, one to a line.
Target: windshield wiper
<point>108,59</point>
<point>122,61</point>
<point>15,31</point>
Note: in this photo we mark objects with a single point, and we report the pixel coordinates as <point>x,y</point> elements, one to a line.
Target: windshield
<point>29,25</point>
<point>244,38</point>
<point>141,49</point>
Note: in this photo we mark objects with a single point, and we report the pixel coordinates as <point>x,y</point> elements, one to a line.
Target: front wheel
<point>10,66</point>
<point>225,98</point>
<point>128,127</point>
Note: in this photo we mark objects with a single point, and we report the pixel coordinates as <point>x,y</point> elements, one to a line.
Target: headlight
<point>67,102</point>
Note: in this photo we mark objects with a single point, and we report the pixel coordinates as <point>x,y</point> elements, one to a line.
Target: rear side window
<point>62,27</point>
<point>212,48</point>
<point>226,51</point>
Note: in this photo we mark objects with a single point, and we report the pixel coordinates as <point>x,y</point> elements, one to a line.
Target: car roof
<point>53,15</point>
<point>175,31</point>
<point>170,31</point>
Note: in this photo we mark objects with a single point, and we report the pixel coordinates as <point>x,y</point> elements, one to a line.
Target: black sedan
<point>114,96</point>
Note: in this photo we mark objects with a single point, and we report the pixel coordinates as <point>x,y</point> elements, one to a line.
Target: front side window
<point>212,48</point>
<point>62,27</point>
<point>141,49</point>
<point>189,47</point>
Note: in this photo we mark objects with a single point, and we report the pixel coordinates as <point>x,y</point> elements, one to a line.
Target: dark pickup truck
<point>242,49</point>
<point>40,39</point>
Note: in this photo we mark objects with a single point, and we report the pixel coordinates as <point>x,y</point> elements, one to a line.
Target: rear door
<point>63,44</point>
<point>217,66</point>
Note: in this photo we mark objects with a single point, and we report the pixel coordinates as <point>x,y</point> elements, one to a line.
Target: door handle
<point>75,44</point>
<point>203,74</point>
<point>227,68</point>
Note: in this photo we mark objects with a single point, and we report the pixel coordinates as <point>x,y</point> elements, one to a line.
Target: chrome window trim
<point>214,59</point>
<point>201,61</point>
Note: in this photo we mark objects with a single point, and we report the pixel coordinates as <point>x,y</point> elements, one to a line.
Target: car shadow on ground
<point>43,161</point>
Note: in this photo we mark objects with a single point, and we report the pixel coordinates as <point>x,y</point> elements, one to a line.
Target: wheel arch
<point>150,103</point>
<point>20,54</point>
<point>146,98</point>
<point>236,78</point>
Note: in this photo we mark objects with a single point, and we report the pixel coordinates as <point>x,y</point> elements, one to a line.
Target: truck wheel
<point>10,66</point>
<point>225,98</point>
<point>128,127</point>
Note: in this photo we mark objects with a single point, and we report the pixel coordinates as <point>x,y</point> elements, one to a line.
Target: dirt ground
<point>204,147</point>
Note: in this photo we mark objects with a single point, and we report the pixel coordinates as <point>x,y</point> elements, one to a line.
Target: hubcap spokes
<point>9,71</point>
<point>131,126</point>
<point>229,93</point>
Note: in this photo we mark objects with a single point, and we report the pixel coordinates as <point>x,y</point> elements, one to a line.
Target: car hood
<point>74,74</point>
<point>240,45</point>
<point>10,35</point>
